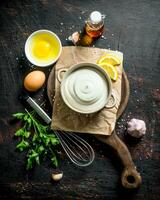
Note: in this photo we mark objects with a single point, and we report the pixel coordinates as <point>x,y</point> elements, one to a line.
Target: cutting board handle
<point>130,178</point>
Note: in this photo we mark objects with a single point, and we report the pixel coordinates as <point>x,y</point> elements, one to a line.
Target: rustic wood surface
<point>131,27</point>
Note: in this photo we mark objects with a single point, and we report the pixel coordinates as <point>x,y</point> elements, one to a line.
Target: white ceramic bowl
<point>28,46</point>
<point>86,88</point>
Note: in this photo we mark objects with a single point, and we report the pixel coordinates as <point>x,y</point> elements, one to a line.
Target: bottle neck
<point>95,25</point>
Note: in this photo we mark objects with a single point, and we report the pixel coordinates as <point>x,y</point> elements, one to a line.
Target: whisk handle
<point>38,109</point>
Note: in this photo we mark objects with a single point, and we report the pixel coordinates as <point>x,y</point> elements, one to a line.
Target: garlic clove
<point>57,177</point>
<point>74,38</point>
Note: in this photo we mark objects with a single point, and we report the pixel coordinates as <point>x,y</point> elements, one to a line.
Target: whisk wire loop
<point>77,149</point>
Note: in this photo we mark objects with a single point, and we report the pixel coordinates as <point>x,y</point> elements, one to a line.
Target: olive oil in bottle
<point>94,26</point>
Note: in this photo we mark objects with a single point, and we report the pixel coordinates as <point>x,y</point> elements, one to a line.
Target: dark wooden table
<point>131,26</point>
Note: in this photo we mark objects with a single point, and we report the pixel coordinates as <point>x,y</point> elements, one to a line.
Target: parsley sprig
<point>36,140</point>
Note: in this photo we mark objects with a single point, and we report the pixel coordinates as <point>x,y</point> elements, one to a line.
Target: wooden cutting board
<point>130,178</point>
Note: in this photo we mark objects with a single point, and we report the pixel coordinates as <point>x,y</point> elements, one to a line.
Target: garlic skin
<point>136,128</point>
<point>74,38</point>
<point>57,177</point>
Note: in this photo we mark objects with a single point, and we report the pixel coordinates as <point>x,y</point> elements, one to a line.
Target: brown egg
<point>34,80</point>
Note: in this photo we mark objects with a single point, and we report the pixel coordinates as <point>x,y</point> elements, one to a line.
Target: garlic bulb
<point>136,128</point>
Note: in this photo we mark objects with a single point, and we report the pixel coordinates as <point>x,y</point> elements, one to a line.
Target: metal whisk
<point>77,149</point>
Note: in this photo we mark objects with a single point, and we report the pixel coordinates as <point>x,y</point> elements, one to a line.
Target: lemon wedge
<point>110,59</point>
<point>110,69</point>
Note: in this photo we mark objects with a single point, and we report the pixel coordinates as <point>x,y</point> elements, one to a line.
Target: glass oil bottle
<point>94,26</point>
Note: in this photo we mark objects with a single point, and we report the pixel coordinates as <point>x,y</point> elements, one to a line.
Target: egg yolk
<point>42,49</point>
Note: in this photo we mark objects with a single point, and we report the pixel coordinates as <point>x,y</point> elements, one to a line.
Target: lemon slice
<point>110,59</point>
<point>111,70</point>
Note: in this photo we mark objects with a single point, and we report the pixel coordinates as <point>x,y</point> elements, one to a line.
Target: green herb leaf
<point>19,115</point>
<point>33,153</point>
<point>40,149</point>
<point>25,118</point>
<point>29,121</point>
<point>29,163</point>
<point>22,145</point>
<point>37,160</point>
<point>19,132</point>
<point>35,136</point>
<point>47,140</point>
<point>54,141</point>
<point>54,161</point>
<point>27,134</point>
